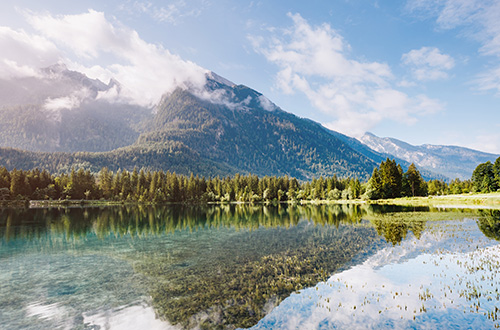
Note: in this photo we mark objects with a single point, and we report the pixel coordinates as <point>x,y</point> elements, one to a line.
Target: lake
<point>247,266</point>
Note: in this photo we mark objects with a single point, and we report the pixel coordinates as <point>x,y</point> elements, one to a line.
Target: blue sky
<point>423,71</point>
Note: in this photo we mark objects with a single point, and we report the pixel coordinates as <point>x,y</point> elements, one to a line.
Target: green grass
<point>490,200</point>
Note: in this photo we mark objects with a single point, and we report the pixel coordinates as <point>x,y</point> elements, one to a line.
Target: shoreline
<point>490,200</point>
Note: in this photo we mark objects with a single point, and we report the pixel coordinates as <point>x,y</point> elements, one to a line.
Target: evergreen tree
<point>374,188</point>
<point>413,181</point>
<point>134,180</point>
<point>141,184</point>
<point>293,189</point>
<point>4,178</point>
<point>355,186</point>
<point>127,188</point>
<point>19,185</point>
<point>105,179</point>
<point>483,178</point>
<point>391,178</point>
<point>496,172</point>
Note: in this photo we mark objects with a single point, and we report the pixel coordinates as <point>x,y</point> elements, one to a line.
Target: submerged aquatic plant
<point>238,289</point>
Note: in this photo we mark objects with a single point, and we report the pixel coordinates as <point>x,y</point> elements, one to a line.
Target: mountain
<point>223,129</point>
<point>379,156</point>
<point>450,161</point>
<point>63,110</point>
<point>61,118</point>
<point>255,137</point>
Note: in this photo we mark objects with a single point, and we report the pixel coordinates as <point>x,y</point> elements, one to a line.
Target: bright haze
<point>421,71</point>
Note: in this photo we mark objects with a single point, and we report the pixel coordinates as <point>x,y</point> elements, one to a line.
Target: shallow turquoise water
<point>129,268</point>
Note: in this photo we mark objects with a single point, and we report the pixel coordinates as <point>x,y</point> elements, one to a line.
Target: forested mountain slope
<point>64,119</point>
<point>253,139</point>
<point>244,133</point>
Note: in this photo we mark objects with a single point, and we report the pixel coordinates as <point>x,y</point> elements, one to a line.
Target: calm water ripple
<point>240,266</point>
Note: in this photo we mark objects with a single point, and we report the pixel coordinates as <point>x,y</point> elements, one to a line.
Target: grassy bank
<point>491,200</point>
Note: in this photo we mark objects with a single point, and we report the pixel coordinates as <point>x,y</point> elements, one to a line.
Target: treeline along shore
<point>387,181</point>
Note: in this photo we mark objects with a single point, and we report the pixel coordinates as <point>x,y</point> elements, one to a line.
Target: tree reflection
<point>489,223</point>
<point>394,222</point>
<point>395,231</point>
<point>138,220</point>
<point>232,277</point>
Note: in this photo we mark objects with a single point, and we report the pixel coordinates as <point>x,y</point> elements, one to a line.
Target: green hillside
<point>189,134</point>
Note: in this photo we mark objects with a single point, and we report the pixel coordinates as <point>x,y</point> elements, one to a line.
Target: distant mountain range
<point>62,119</point>
<point>450,161</point>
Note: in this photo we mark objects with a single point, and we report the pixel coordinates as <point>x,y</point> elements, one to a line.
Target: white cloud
<point>23,54</point>
<point>321,51</point>
<point>449,13</point>
<point>266,104</point>
<point>428,63</point>
<point>477,19</point>
<point>406,83</point>
<point>53,106</point>
<point>489,80</point>
<point>65,102</point>
<point>172,12</point>
<point>315,60</point>
<point>145,71</point>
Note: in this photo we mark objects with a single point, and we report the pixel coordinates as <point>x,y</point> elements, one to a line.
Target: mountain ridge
<point>246,138</point>
<point>450,161</point>
<point>222,129</point>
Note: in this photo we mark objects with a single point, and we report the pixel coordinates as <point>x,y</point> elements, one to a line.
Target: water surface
<point>240,266</point>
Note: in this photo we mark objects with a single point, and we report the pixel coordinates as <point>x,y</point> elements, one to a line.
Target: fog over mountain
<point>63,110</point>
<point>217,128</point>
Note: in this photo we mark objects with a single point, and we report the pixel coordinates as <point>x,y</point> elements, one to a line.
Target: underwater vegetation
<point>238,289</point>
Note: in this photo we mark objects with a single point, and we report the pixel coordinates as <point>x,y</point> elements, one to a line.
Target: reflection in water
<point>229,266</point>
<point>75,223</point>
<point>438,280</point>
<point>201,266</point>
<point>257,270</point>
<point>135,316</point>
<point>395,231</point>
<point>489,223</point>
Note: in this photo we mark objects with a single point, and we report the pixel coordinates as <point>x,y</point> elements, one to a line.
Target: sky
<point>421,71</point>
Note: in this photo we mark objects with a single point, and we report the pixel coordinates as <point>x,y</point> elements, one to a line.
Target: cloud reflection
<point>447,277</point>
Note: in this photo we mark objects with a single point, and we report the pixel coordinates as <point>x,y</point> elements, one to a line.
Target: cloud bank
<point>23,54</point>
<point>316,61</point>
<point>145,71</point>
